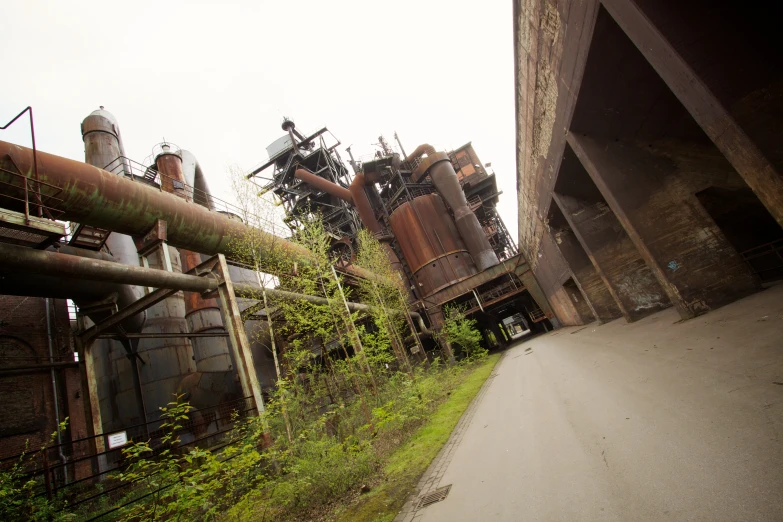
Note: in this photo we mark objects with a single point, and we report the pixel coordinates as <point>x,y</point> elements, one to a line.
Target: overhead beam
<point>743,154</point>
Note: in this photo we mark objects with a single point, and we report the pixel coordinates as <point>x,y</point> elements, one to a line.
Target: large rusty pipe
<point>421,150</point>
<point>324,185</point>
<point>15,258</point>
<point>362,204</point>
<point>356,194</point>
<point>31,261</point>
<point>94,197</point>
<point>194,177</point>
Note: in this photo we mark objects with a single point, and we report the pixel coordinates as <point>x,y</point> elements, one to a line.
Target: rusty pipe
<point>77,264</point>
<point>94,197</point>
<point>324,185</point>
<point>356,194</point>
<point>194,177</point>
<point>362,204</point>
<point>14,258</point>
<point>420,151</point>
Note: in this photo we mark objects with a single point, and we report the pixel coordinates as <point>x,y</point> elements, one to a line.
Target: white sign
<point>117,440</point>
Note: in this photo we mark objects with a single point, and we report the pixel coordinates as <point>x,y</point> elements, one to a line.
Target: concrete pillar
<point>564,308</point>
<point>597,295</point>
<point>716,121</point>
<point>578,301</point>
<point>614,257</point>
<point>690,257</point>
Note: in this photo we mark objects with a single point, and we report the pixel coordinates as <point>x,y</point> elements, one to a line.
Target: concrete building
<point>648,153</point>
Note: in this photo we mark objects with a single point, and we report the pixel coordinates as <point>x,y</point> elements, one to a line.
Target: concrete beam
<point>614,256</point>
<point>757,171</point>
<point>690,257</point>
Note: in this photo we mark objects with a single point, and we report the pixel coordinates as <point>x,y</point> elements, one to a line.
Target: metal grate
<point>436,496</point>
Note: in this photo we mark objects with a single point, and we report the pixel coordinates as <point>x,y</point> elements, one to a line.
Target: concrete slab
<point>654,420</point>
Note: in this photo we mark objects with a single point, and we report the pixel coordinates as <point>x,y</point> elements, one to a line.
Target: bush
<point>461,332</point>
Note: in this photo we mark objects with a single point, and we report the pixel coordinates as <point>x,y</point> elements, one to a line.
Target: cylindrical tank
<point>102,142</point>
<point>117,386</point>
<point>440,170</point>
<point>430,243</point>
<point>165,360</point>
<point>215,380</point>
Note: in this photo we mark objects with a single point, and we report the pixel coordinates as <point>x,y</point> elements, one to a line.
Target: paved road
<point>651,421</point>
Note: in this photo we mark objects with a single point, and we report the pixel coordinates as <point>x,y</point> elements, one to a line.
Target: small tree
<point>385,296</point>
<point>461,331</point>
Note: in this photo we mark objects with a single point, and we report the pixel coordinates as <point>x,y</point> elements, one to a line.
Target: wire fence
<point>78,472</point>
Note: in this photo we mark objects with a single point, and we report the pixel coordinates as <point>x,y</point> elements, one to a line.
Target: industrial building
<point>120,286</point>
<point>648,154</point>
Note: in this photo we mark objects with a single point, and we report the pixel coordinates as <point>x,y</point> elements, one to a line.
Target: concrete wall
<point>654,101</point>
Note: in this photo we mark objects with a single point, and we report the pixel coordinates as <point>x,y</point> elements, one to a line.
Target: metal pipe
<point>21,259</point>
<point>324,185</point>
<point>101,199</point>
<point>98,198</point>
<point>28,260</point>
<point>47,305</point>
<point>194,177</point>
<point>421,150</point>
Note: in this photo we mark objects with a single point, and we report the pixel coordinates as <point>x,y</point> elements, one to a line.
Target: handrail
<point>35,164</point>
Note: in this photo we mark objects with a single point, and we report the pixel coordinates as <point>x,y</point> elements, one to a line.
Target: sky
<point>217,78</point>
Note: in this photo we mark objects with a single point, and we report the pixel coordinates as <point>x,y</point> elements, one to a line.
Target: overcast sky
<point>217,78</point>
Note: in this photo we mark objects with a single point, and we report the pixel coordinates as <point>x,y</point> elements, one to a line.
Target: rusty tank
<point>430,244</point>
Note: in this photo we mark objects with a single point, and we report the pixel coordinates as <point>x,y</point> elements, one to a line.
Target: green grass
<point>408,463</point>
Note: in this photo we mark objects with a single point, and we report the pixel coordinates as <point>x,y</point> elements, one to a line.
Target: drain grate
<point>435,496</point>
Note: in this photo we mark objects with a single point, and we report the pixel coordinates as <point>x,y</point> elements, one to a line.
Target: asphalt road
<point>652,421</point>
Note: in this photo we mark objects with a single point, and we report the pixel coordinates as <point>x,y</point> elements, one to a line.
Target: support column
<point>567,311</point>
<point>84,349</point>
<point>232,320</point>
<point>598,297</point>
<point>690,257</point>
<point>702,104</point>
<point>579,301</point>
<point>531,285</point>
<point>614,256</point>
